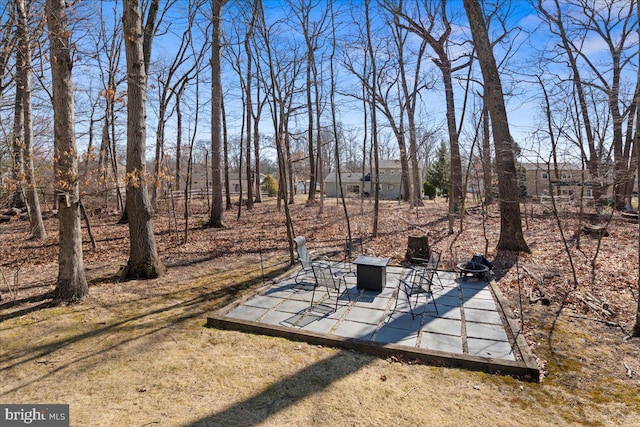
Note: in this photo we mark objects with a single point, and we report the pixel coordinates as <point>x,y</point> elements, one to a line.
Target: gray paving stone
<point>482,316</point>
<point>365,315</point>
<point>246,312</point>
<point>301,295</point>
<point>294,306</point>
<point>349,329</point>
<point>447,300</point>
<point>489,348</point>
<point>377,302</point>
<point>442,326</point>
<point>486,331</point>
<point>481,304</point>
<point>476,293</point>
<point>400,320</point>
<point>473,284</point>
<point>449,312</point>
<point>276,318</point>
<point>397,336</point>
<point>440,342</point>
<point>264,301</point>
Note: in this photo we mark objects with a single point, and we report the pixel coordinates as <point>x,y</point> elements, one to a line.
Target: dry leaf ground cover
<point>136,353</point>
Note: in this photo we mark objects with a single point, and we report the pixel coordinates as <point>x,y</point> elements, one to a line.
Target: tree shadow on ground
<point>188,309</point>
<point>257,409</point>
<point>503,262</point>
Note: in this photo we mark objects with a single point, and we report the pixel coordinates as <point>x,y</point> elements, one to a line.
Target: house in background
<point>353,182</point>
<point>540,177</point>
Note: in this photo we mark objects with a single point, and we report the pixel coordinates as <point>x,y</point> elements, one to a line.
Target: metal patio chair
<point>412,285</point>
<point>330,281</point>
<point>427,270</point>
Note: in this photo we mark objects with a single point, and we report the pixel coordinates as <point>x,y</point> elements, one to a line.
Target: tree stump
<point>417,247</point>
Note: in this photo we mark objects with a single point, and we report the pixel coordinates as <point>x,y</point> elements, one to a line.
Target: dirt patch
<point>136,352</point>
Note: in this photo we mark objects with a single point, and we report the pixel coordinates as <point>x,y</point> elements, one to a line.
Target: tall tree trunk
<point>72,283</point>
<point>178,139</point>
<point>36,225</point>
<point>511,238</point>
<point>215,217</point>
<point>143,255</point>
<point>375,179</point>
<point>636,327</point>
<point>487,176</point>
<point>249,119</point>
<point>18,143</point>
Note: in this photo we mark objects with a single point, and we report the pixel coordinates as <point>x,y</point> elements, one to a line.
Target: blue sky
<point>524,100</point>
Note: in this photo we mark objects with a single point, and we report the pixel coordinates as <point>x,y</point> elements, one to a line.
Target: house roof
<point>347,177</point>
<point>547,166</point>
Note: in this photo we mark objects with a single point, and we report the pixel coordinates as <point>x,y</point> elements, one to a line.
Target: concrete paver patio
<point>472,328</point>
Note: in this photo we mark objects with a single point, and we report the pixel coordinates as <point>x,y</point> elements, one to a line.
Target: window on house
<point>381,172</point>
<point>545,175</point>
<point>389,186</point>
<point>566,176</point>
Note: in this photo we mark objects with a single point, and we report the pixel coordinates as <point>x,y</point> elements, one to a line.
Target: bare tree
<point>436,18</point>
<point>215,217</point>
<point>636,326</point>
<point>108,51</point>
<point>171,82</point>
<point>72,283</point>
<point>575,23</point>
<point>511,238</point>
<point>143,255</point>
<point>374,124</point>
<point>24,120</point>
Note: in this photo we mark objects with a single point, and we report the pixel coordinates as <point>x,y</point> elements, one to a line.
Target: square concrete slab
<point>442,326</point>
<point>439,342</point>
<point>247,312</point>
<point>486,331</point>
<point>321,325</point>
<point>263,301</point>
<point>377,302</point>
<point>479,303</point>
<point>364,315</point>
<point>469,293</point>
<point>276,318</point>
<point>400,320</point>
<point>294,306</point>
<point>482,316</point>
<point>390,335</point>
<point>449,312</point>
<point>489,348</point>
<point>349,329</point>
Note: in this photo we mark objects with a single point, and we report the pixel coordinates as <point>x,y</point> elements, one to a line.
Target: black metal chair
<point>410,285</point>
<point>353,248</point>
<point>330,281</point>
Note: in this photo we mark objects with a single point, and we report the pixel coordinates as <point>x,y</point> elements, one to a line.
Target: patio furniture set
<point>370,274</point>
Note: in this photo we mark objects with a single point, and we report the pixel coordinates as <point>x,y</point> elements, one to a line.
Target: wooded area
<point>130,110</point>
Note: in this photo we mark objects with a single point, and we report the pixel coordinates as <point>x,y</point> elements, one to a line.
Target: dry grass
<point>137,354</point>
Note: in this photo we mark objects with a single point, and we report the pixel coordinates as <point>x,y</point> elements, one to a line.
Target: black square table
<point>371,272</point>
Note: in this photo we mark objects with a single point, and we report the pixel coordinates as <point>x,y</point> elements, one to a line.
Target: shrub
<point>429,190</point>
<point>270,185</point>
